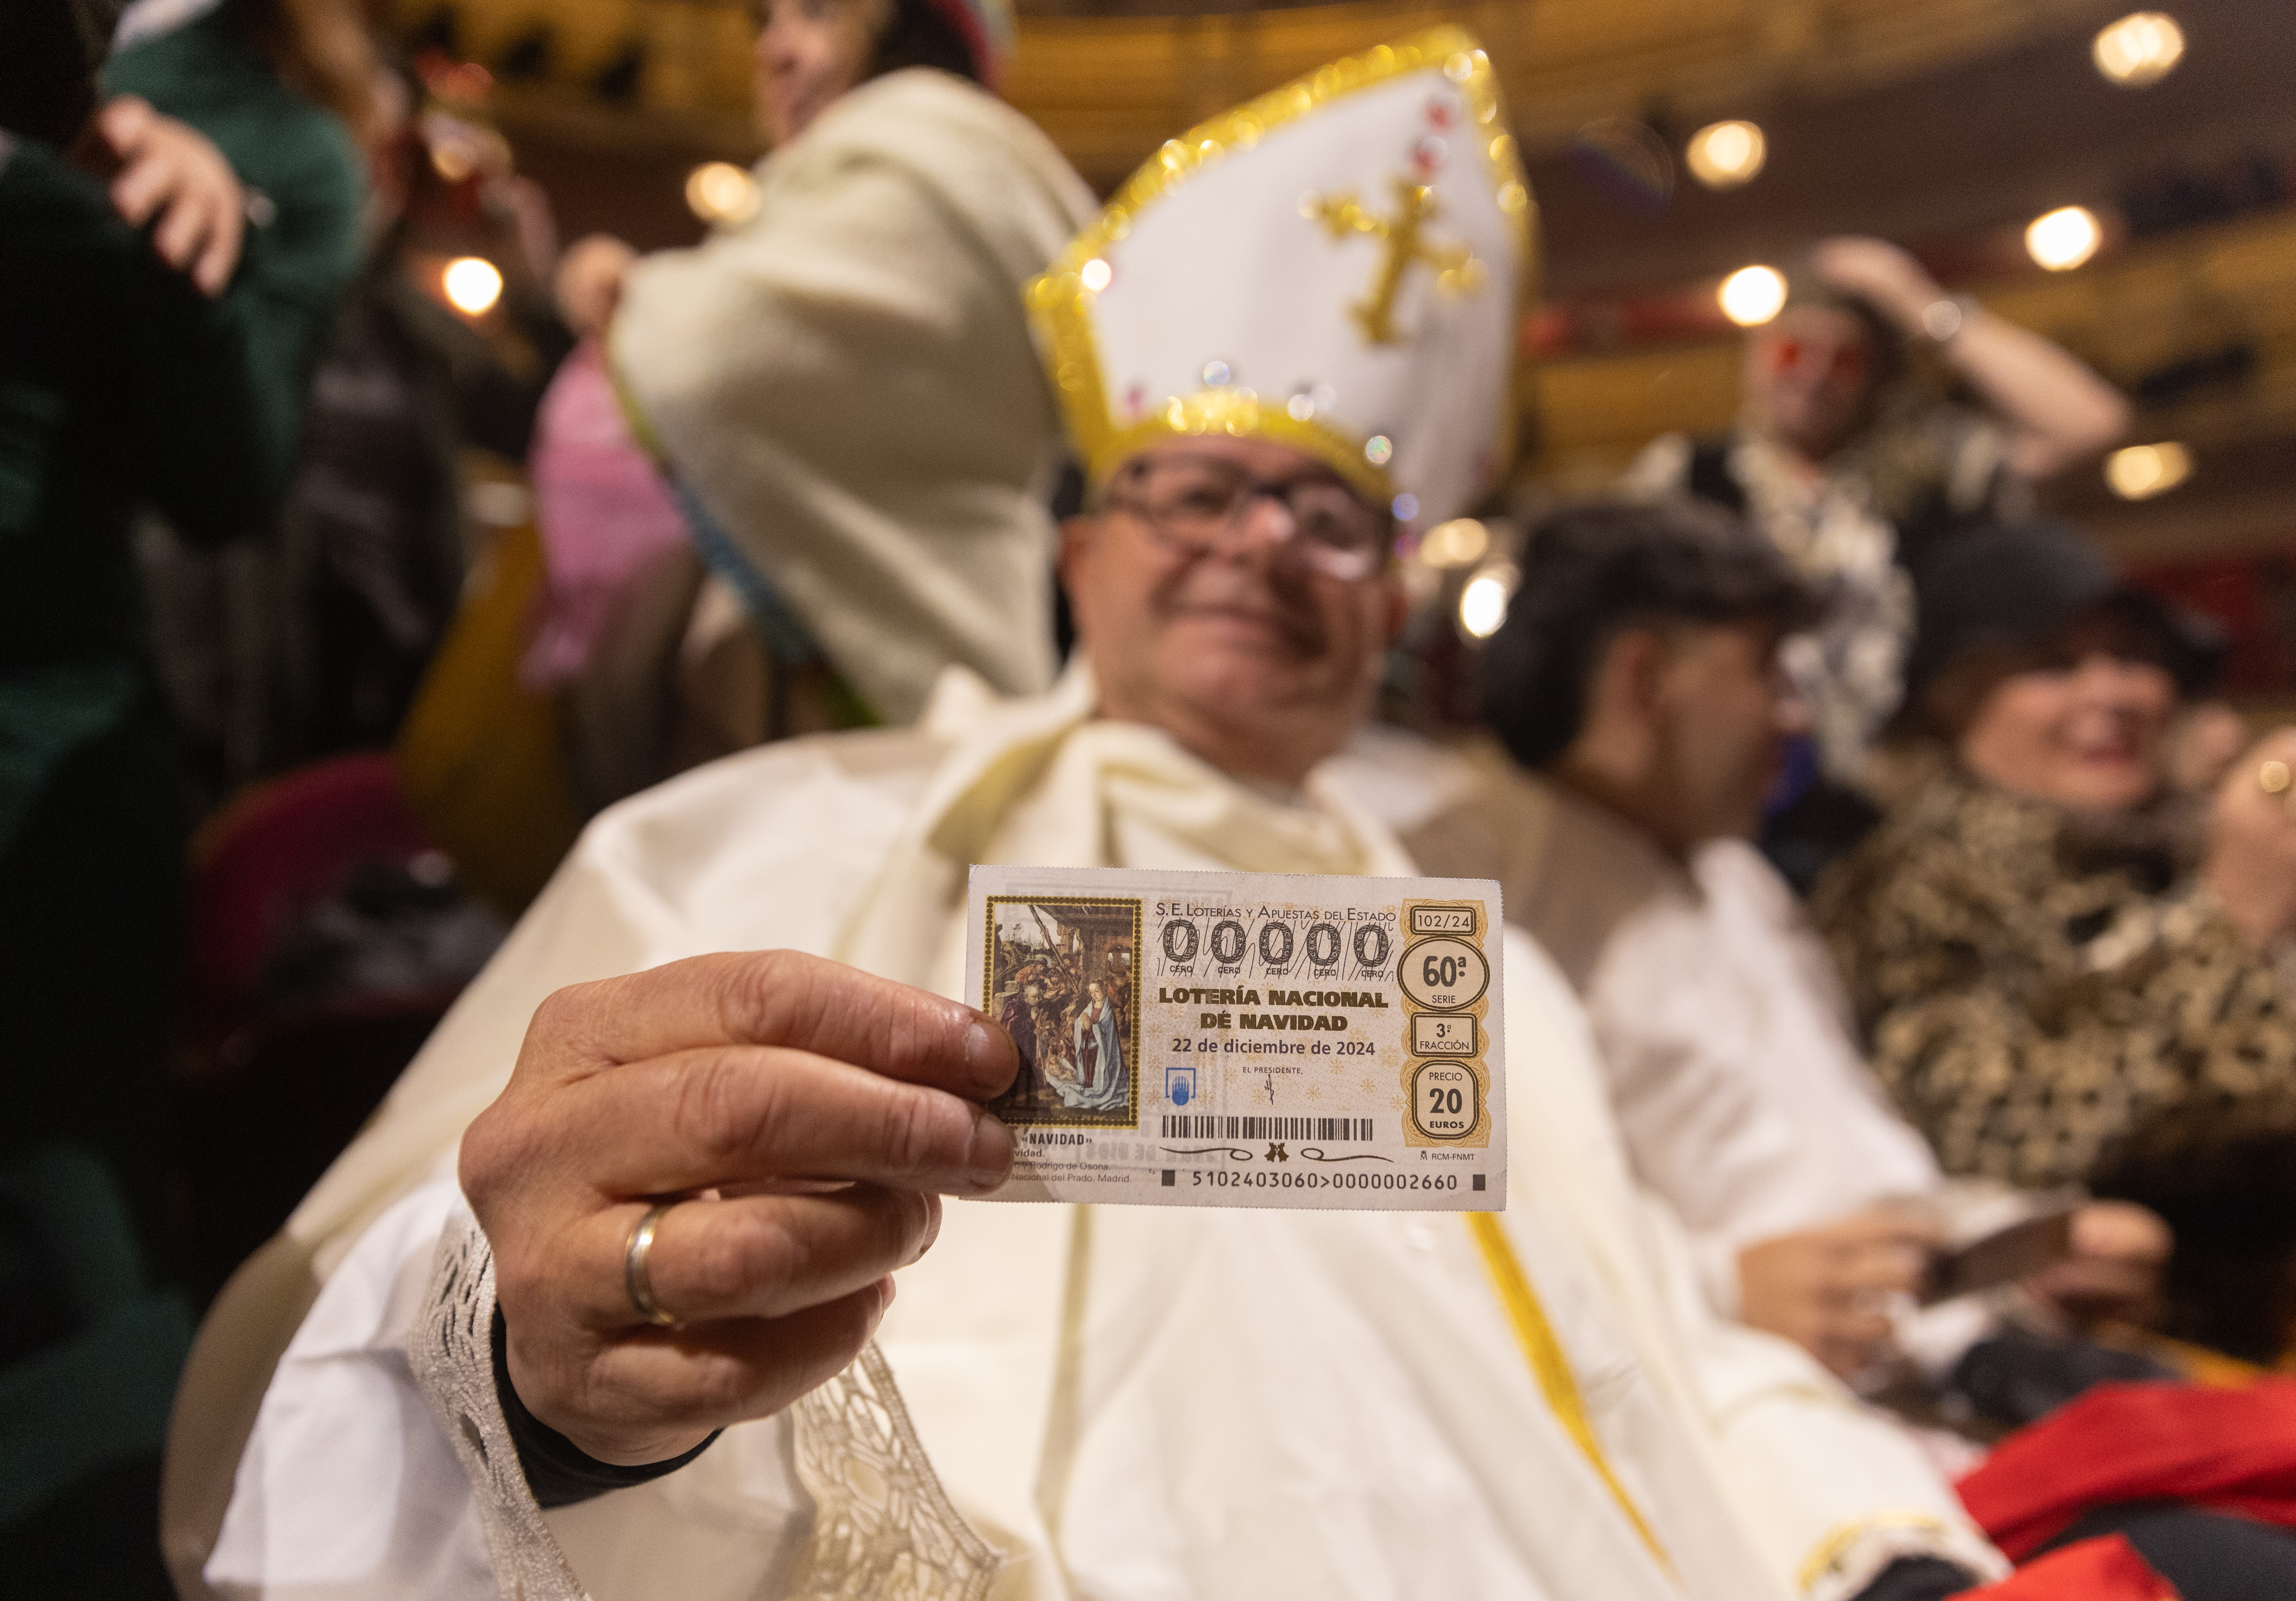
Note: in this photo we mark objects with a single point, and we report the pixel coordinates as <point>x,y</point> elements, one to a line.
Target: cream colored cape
<point>845,383</point>
<point>1117,1402</point>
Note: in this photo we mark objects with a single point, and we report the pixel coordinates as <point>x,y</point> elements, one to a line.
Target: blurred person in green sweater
<point>126,379</point>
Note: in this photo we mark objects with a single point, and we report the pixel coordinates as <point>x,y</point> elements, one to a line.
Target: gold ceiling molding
<point>1110,89</point>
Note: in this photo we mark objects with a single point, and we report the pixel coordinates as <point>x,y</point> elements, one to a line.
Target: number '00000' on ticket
<point>1246,1039</point>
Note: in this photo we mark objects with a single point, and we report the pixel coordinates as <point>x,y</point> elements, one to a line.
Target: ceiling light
<point>472,284</point>
<point>1723,155</point>
<point>1461,542</point>
<point>2141,472</point>
<point>2142,48</point>
<point>1752,295</point>
<point>719,191</point>
<point>2062,239</point>
<point>1483,603</point>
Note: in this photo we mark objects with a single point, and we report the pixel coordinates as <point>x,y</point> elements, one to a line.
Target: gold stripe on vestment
<point>1549,1366</point>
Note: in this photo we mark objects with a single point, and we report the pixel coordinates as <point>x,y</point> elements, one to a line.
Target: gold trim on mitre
<point>1060,300</point>
<point>1240,413</point>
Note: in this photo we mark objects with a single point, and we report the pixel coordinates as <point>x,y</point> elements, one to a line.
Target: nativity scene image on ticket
<point>1062,979</point>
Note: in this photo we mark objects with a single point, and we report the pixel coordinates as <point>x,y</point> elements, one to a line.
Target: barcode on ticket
<point>1332,1130</point>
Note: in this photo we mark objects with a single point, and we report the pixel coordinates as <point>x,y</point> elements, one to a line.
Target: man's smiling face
<point>1255,651</point>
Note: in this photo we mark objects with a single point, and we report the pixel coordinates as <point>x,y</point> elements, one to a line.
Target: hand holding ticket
<point>1246,1039</point>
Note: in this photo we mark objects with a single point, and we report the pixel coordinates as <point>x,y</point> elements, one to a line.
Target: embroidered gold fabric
<point>451,1350</point>
<point>1241,414</point>
<point>1855,1554</point>
<point>1456,270</point>
<point>883,1529</point>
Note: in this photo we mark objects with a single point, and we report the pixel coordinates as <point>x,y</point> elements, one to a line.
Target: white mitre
<point>1336,265</point>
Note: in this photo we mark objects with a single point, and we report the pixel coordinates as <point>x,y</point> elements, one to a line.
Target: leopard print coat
<point>2052,1000</point>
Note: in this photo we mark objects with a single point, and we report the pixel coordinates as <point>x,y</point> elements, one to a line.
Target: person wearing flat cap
<point>559,1324</point>
<point>2064,973</point>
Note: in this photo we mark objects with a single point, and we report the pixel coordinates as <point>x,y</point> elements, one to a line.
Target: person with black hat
<point>2063,975</point>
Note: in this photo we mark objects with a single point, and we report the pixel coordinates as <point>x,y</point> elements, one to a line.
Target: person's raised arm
<point>166,362</point>
<point>2056,409</point>
<point>825,1111</point>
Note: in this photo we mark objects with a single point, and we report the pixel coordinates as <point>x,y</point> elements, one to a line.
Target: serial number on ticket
<point>1246,1039</point>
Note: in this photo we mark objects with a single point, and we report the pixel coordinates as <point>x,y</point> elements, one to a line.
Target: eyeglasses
<point>1197,503</point>
<point>1818,358</point>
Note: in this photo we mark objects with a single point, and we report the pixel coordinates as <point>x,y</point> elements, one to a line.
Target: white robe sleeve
<point>450,1350</point>
<point>381,1467</point>
<point>348,1490</point>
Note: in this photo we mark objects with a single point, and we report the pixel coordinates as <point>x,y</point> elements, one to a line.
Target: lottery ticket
<point>1247,1040</point>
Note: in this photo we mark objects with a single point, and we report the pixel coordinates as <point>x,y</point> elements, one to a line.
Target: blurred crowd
<point>358,544</point>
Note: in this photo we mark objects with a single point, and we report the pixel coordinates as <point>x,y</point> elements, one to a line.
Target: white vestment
<point>1119,1402</point>
<point>845,383</point>
<point>1723,1030</point>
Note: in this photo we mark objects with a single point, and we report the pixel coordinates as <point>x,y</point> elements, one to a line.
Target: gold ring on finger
<point>637,1276</point>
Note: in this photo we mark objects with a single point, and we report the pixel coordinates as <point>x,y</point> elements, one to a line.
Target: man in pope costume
<point>1292,321</point>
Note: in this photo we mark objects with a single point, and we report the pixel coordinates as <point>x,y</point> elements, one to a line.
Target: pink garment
<point>606,515</point>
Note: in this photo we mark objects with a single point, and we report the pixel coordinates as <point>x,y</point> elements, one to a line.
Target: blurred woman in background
<point>2065,974</point>
<point>375,550</point>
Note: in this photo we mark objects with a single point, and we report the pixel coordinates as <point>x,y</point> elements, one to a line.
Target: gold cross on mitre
<point>1343,216</point>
